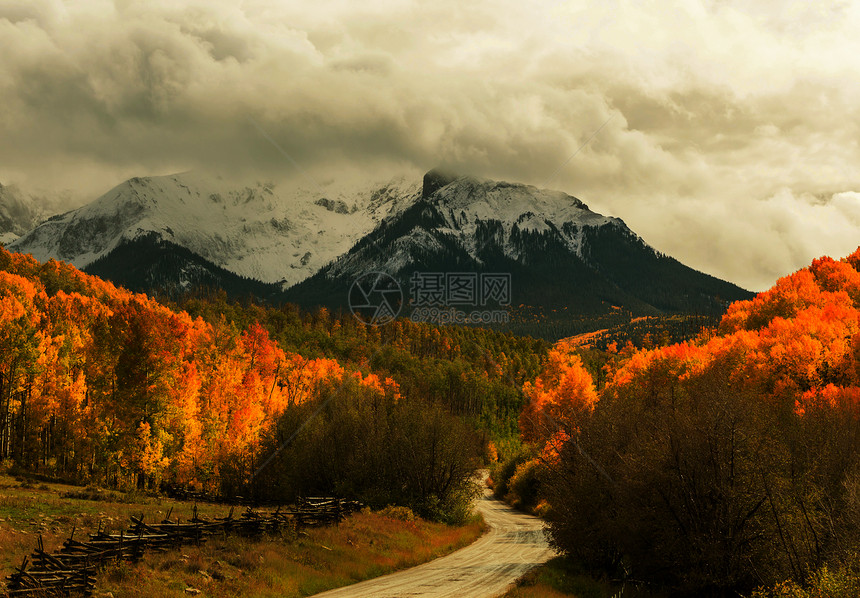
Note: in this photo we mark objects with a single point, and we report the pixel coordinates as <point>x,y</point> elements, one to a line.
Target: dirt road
<point>485,569</point>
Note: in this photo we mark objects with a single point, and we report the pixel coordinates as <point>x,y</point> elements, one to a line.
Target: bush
<point>524,486</point>
<point>838,583</point>
<point>456,509</point>
<point>92,492</point>
<point>503,471</point>
<point>399,513</point>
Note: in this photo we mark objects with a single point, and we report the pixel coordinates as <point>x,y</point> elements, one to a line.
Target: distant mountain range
<point>568,265</point>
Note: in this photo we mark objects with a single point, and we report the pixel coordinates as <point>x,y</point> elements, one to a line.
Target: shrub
<point>399,513</point>
<point>524,485</point>
<point>456,509</point>
<point>503,471</point>
<point>832,583</point>
<point>92,492</point>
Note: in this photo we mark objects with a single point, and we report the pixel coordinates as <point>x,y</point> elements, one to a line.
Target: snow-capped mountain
<point>559,254</point>
<point>257,231</point>
<point>18,213</point>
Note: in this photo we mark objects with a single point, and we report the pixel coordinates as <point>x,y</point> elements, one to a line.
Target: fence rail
<point>72,570</point>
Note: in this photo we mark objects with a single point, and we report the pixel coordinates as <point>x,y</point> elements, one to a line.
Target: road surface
<point>485,569</point>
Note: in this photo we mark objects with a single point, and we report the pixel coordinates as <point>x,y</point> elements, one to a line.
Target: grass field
<point>293,564</point>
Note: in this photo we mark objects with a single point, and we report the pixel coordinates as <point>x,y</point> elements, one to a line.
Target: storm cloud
<point>731,129</point>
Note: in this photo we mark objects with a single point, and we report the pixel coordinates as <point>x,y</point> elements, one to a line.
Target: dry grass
<point>365,545</point>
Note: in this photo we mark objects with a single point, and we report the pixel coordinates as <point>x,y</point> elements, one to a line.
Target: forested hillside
<point>101,385</point>
<point>473,372</point>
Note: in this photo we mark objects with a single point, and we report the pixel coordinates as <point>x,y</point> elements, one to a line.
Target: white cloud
<point>848,204</point>
<point>732,142</point>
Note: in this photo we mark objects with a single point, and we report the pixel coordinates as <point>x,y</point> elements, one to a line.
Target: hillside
<point>258,231</point>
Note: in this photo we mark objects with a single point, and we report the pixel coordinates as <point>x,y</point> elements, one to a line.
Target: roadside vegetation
<point>721,466</point>
<point>376,449</point>
<point>561,578</point>
<point>365,545</point>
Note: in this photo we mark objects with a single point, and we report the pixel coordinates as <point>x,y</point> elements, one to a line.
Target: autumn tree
<point>557,399</point>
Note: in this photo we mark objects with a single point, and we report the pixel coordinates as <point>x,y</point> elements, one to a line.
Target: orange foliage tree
<point>556,399</point>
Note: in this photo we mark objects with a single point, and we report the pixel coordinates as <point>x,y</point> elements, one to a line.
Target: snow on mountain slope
<point>469,215</point>
<point>286,234</point>
<point>260,231</point>
<point>18,213</point>
<point>466,201</point>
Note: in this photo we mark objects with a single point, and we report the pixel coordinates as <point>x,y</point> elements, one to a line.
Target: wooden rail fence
<point>72,570</point>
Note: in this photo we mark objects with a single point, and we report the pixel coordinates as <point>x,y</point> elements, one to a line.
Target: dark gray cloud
<point>731,142</point>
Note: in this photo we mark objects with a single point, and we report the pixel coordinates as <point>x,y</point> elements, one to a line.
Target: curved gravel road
<point>485,569</point>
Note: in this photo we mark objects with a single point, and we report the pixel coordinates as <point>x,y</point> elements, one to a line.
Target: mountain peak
<point>435,180</point>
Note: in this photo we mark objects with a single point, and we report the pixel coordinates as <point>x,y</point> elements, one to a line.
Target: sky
<point>724,133</point>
